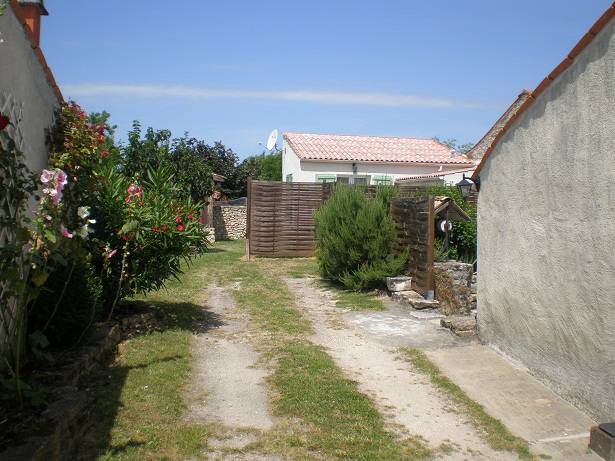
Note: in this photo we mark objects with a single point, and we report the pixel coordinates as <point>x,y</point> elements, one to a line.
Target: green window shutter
<point>383,180</point>
<point>325,178</point>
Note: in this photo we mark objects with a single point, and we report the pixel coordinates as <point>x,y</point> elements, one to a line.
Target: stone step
<point>414,300</point>
<point>461,325</point>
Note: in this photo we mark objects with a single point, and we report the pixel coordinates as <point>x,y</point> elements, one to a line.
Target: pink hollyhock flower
<point>111,254</point>
<point>46,176</point>
<point>64,231</point>
<point>61,179</point>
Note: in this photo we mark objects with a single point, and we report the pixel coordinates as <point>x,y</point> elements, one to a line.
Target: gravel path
<point>228,386</point>
<point>405,397</point>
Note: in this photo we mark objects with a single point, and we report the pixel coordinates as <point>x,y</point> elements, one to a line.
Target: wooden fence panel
<point>280,221</point>
<point>414,224</point>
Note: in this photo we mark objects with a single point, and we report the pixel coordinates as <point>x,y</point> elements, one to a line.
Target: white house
<point>311,157</point>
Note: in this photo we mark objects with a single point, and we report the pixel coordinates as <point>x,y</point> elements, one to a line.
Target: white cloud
<point>311,96</point>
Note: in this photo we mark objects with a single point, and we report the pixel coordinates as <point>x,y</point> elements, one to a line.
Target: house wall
<point>546,238</point>
<point>306,171</point>
<point>24,90</point>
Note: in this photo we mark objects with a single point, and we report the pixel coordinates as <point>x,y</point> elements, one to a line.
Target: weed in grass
<point>490,429</point>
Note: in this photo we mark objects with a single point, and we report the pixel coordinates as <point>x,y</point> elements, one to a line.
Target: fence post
<point>431,230</point>
<point>248,217</point>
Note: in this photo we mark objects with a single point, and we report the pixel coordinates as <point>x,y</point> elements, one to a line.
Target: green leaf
<point>49,235</point>
<point>39,278</point>
<point>129,227</point>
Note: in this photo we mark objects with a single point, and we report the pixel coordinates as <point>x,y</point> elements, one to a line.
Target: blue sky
<point>233,70</point>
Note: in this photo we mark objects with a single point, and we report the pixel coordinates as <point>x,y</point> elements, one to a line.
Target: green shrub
<point>356,238</point>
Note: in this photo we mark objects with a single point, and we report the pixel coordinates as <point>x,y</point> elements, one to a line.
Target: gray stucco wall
<point>546,234</point>
<point>25,90</point>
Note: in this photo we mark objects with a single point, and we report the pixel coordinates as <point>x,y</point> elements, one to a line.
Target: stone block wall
<point>453,287</point>
<point>230,222</point>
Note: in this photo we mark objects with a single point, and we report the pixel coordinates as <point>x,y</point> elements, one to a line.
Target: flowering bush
<point>96,236</point>
<point>149,233</point>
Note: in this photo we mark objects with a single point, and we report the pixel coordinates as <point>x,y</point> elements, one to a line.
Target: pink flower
<point>180,228</point>
<point>134,190</point>
<point>190,217</point>
<point>46,176</point>
<point>178,219</point>
<point>61,179</point>
<point>64,231</point>
<point>127,199</point>
<point>111,254</point>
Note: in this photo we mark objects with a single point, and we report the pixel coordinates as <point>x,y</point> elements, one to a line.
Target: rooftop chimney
<point>32,10</point>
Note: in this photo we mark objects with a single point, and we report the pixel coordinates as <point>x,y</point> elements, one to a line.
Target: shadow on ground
<point>107,386</point>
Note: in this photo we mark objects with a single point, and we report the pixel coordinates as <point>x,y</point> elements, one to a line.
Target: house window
<point>382,180</point>
<point>325,178</point>
<point>343,179</point>
<point>360,180</point>
<point>289,177</point>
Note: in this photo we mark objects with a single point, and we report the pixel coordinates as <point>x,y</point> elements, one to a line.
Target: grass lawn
<point>138,407</point>
<point>137,414</point>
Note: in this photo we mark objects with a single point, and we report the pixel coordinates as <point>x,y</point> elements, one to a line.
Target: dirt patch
<point>406,398</point>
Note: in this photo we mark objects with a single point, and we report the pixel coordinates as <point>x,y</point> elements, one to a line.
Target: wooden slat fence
<point>280,223</point>
<point>414,223</point>
<point>280,219</point>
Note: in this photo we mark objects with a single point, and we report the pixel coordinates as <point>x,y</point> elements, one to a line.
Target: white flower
<point>83,232</point>
<point>83,212</point>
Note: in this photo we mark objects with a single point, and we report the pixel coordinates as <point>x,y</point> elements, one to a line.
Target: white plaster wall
<point>306,171</point>
<point>546,234</point>
<point>22,77</point>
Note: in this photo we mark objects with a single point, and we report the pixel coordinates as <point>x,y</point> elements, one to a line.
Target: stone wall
<point>230,222</point>
<point>453,287</point>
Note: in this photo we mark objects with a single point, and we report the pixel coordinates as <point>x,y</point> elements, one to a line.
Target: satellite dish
<point>272,140</point>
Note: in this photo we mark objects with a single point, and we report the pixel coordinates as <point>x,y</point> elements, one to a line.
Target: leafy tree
<point>453,144</point>
<point>266,167</point>
<point>184,157</point>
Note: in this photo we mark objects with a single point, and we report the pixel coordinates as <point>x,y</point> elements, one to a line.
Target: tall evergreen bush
<point>356,237</point>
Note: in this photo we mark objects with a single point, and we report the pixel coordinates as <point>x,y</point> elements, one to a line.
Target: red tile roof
<point>37,50</point>
<point>561,67</point>
<point>379,149</point>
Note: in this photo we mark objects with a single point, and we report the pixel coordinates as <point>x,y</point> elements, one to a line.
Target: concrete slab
<point>525,405</point>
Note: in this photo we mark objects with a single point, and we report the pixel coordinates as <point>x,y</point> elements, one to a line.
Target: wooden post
<point>431,230</point>
<point>248,217</point>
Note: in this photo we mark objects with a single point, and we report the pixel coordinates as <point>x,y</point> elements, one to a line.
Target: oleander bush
<point>356,237</point>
